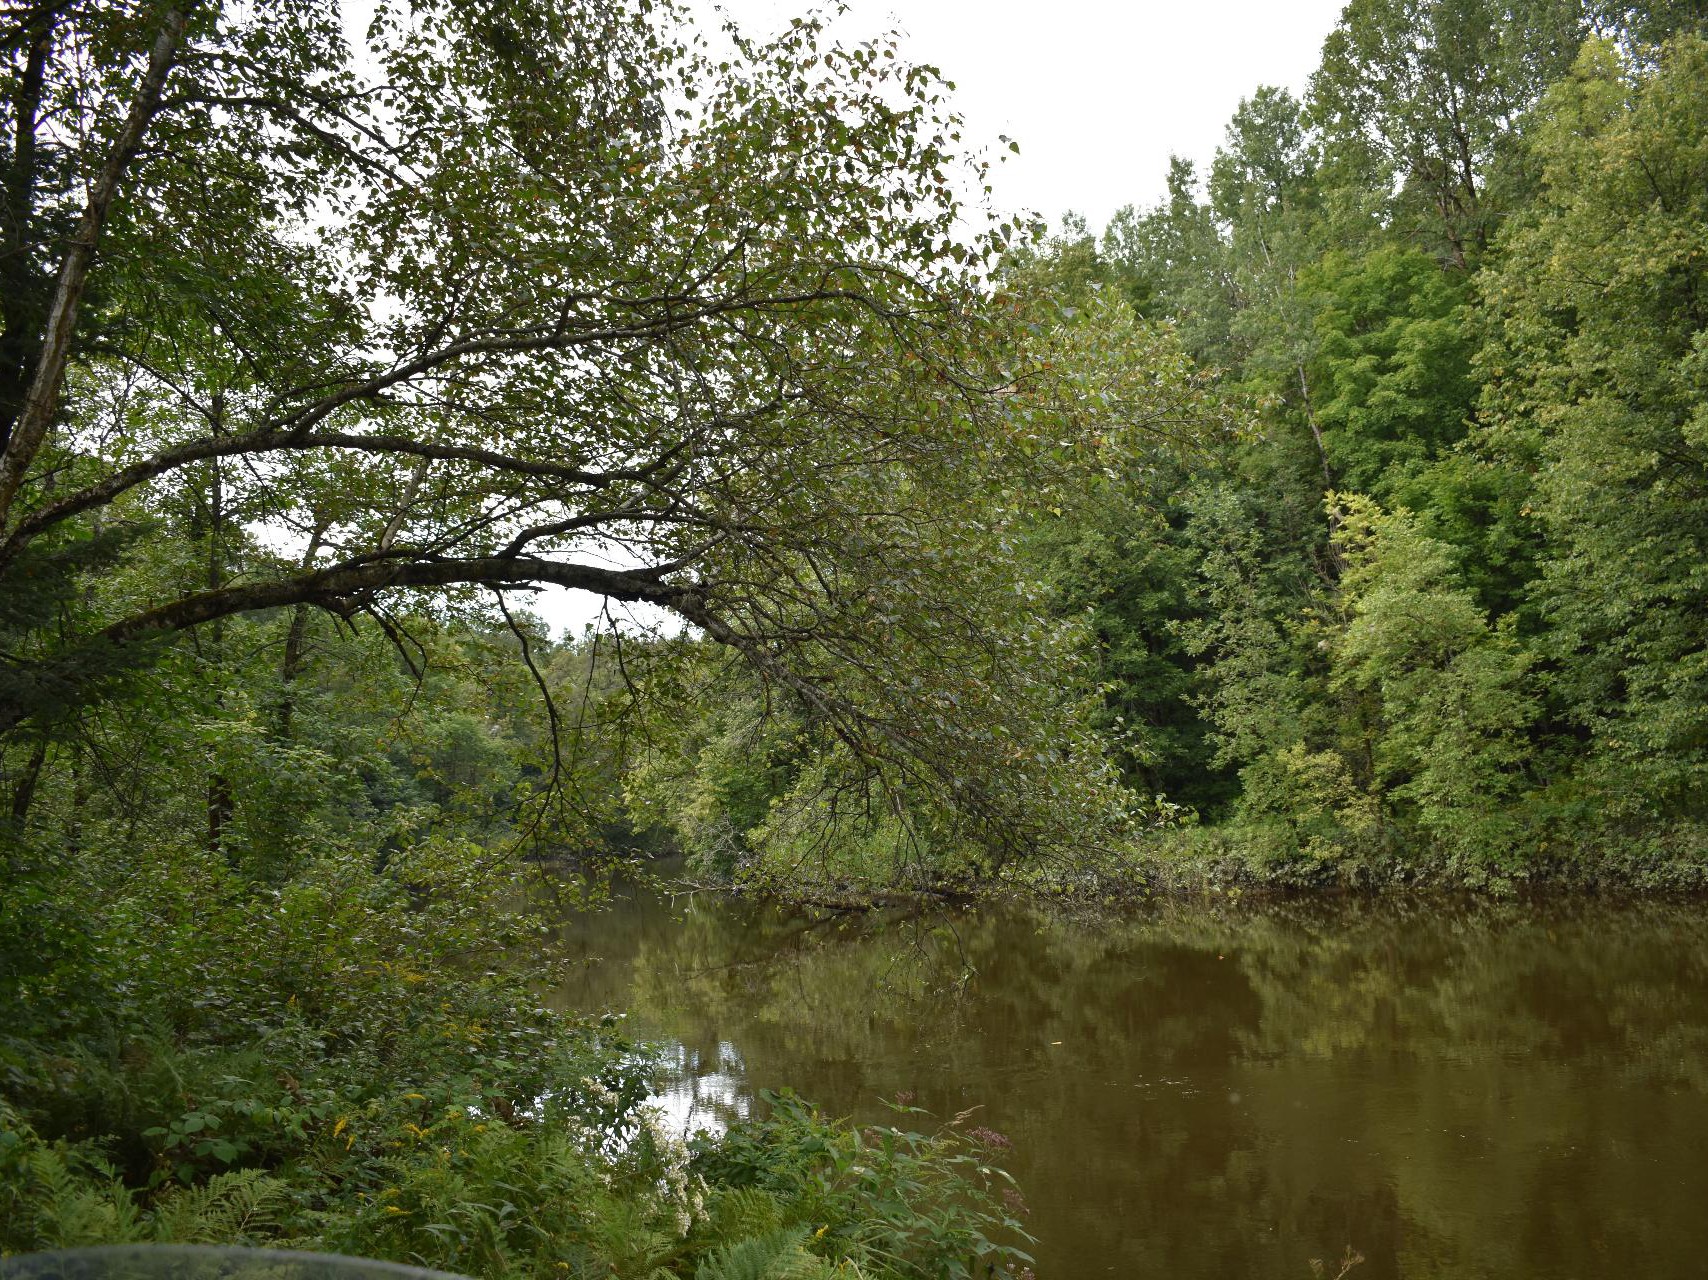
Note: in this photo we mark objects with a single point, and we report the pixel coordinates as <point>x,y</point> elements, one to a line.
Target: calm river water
<point>1504,1091</point>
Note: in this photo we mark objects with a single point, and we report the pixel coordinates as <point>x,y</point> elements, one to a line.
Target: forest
<point>1336,523</point>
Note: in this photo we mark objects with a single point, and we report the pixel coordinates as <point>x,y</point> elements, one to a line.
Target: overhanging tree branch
<point>271,440</point>
<point>340,587</point>
<point>346,588</point>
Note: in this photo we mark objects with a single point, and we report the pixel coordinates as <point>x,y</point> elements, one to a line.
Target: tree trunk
<point>291,666</point>
<point>41,401</point>
<point>25,791</point>
<point>219,801</point>
<point>20,293</point>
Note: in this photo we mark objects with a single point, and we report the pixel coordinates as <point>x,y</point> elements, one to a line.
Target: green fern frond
<point>780,1255</point>
<point>69,1197</point>
<point>746,1211</point>
<point>230,1208</point>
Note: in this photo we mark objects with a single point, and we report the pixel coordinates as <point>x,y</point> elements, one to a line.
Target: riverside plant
<point>379,1080</point>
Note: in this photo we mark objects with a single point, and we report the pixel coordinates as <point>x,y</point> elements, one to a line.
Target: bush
<point>355,1061</point>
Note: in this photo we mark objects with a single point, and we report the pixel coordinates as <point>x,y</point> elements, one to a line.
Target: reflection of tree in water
<point>1492,1090</point>
<point>1515,1077</point>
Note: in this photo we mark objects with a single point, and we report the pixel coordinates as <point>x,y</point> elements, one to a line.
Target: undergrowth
<point>353,1061</point>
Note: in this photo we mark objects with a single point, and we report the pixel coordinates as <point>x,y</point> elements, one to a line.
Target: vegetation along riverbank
<point>1336,522</point>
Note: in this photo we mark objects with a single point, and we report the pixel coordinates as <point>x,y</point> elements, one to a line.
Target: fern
<point>58,1195</point>
<point>66,1196</point>
<point>624,1236</point>
<point>779,1255</point>
<point>746,1211</point>
<point>230,1208</point>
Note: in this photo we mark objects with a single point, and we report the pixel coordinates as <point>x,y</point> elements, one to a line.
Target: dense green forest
<point>1416,590</point>
<point>1338,521</point>
<point>1437,610</point>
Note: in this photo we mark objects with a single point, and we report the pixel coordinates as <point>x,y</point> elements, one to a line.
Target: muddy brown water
<point>1205,1090</point>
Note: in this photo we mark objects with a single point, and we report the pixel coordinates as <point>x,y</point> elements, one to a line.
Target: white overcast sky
<point>1098,93</point>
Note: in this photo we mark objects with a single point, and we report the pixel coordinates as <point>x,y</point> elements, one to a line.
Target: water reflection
<point>696,1093</point>
<point>1510,1091</point>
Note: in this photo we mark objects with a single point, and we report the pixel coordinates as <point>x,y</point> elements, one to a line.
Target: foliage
<point>378,1080</point>
<point>1391,367</point>
<point>1338,519</point>
<point>1435,604</point>
<point>866,1186</point>
<point>1597,356</point>
<point>1453,695</point>
<point>1423,96</point>
<point>470,311</point>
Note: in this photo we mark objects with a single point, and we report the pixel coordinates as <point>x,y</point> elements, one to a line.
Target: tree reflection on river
<point>1509,1090</point>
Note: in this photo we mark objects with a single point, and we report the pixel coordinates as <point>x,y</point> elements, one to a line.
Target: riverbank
<point>1192,863</point>
<point>357,1060</point>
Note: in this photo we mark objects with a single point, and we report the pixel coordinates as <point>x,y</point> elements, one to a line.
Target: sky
<point>1098,94</point>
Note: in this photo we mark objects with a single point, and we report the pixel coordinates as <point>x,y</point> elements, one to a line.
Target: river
<point>1216,1090</point>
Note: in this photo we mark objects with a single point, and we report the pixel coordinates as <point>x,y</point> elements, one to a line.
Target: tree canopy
<point>528,293</point>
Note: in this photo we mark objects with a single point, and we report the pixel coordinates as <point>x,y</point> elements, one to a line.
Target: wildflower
<point>599,1092</point>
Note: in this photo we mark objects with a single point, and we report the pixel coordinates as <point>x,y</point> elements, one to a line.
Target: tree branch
<point>340,587</point>
<point>273,439</point>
